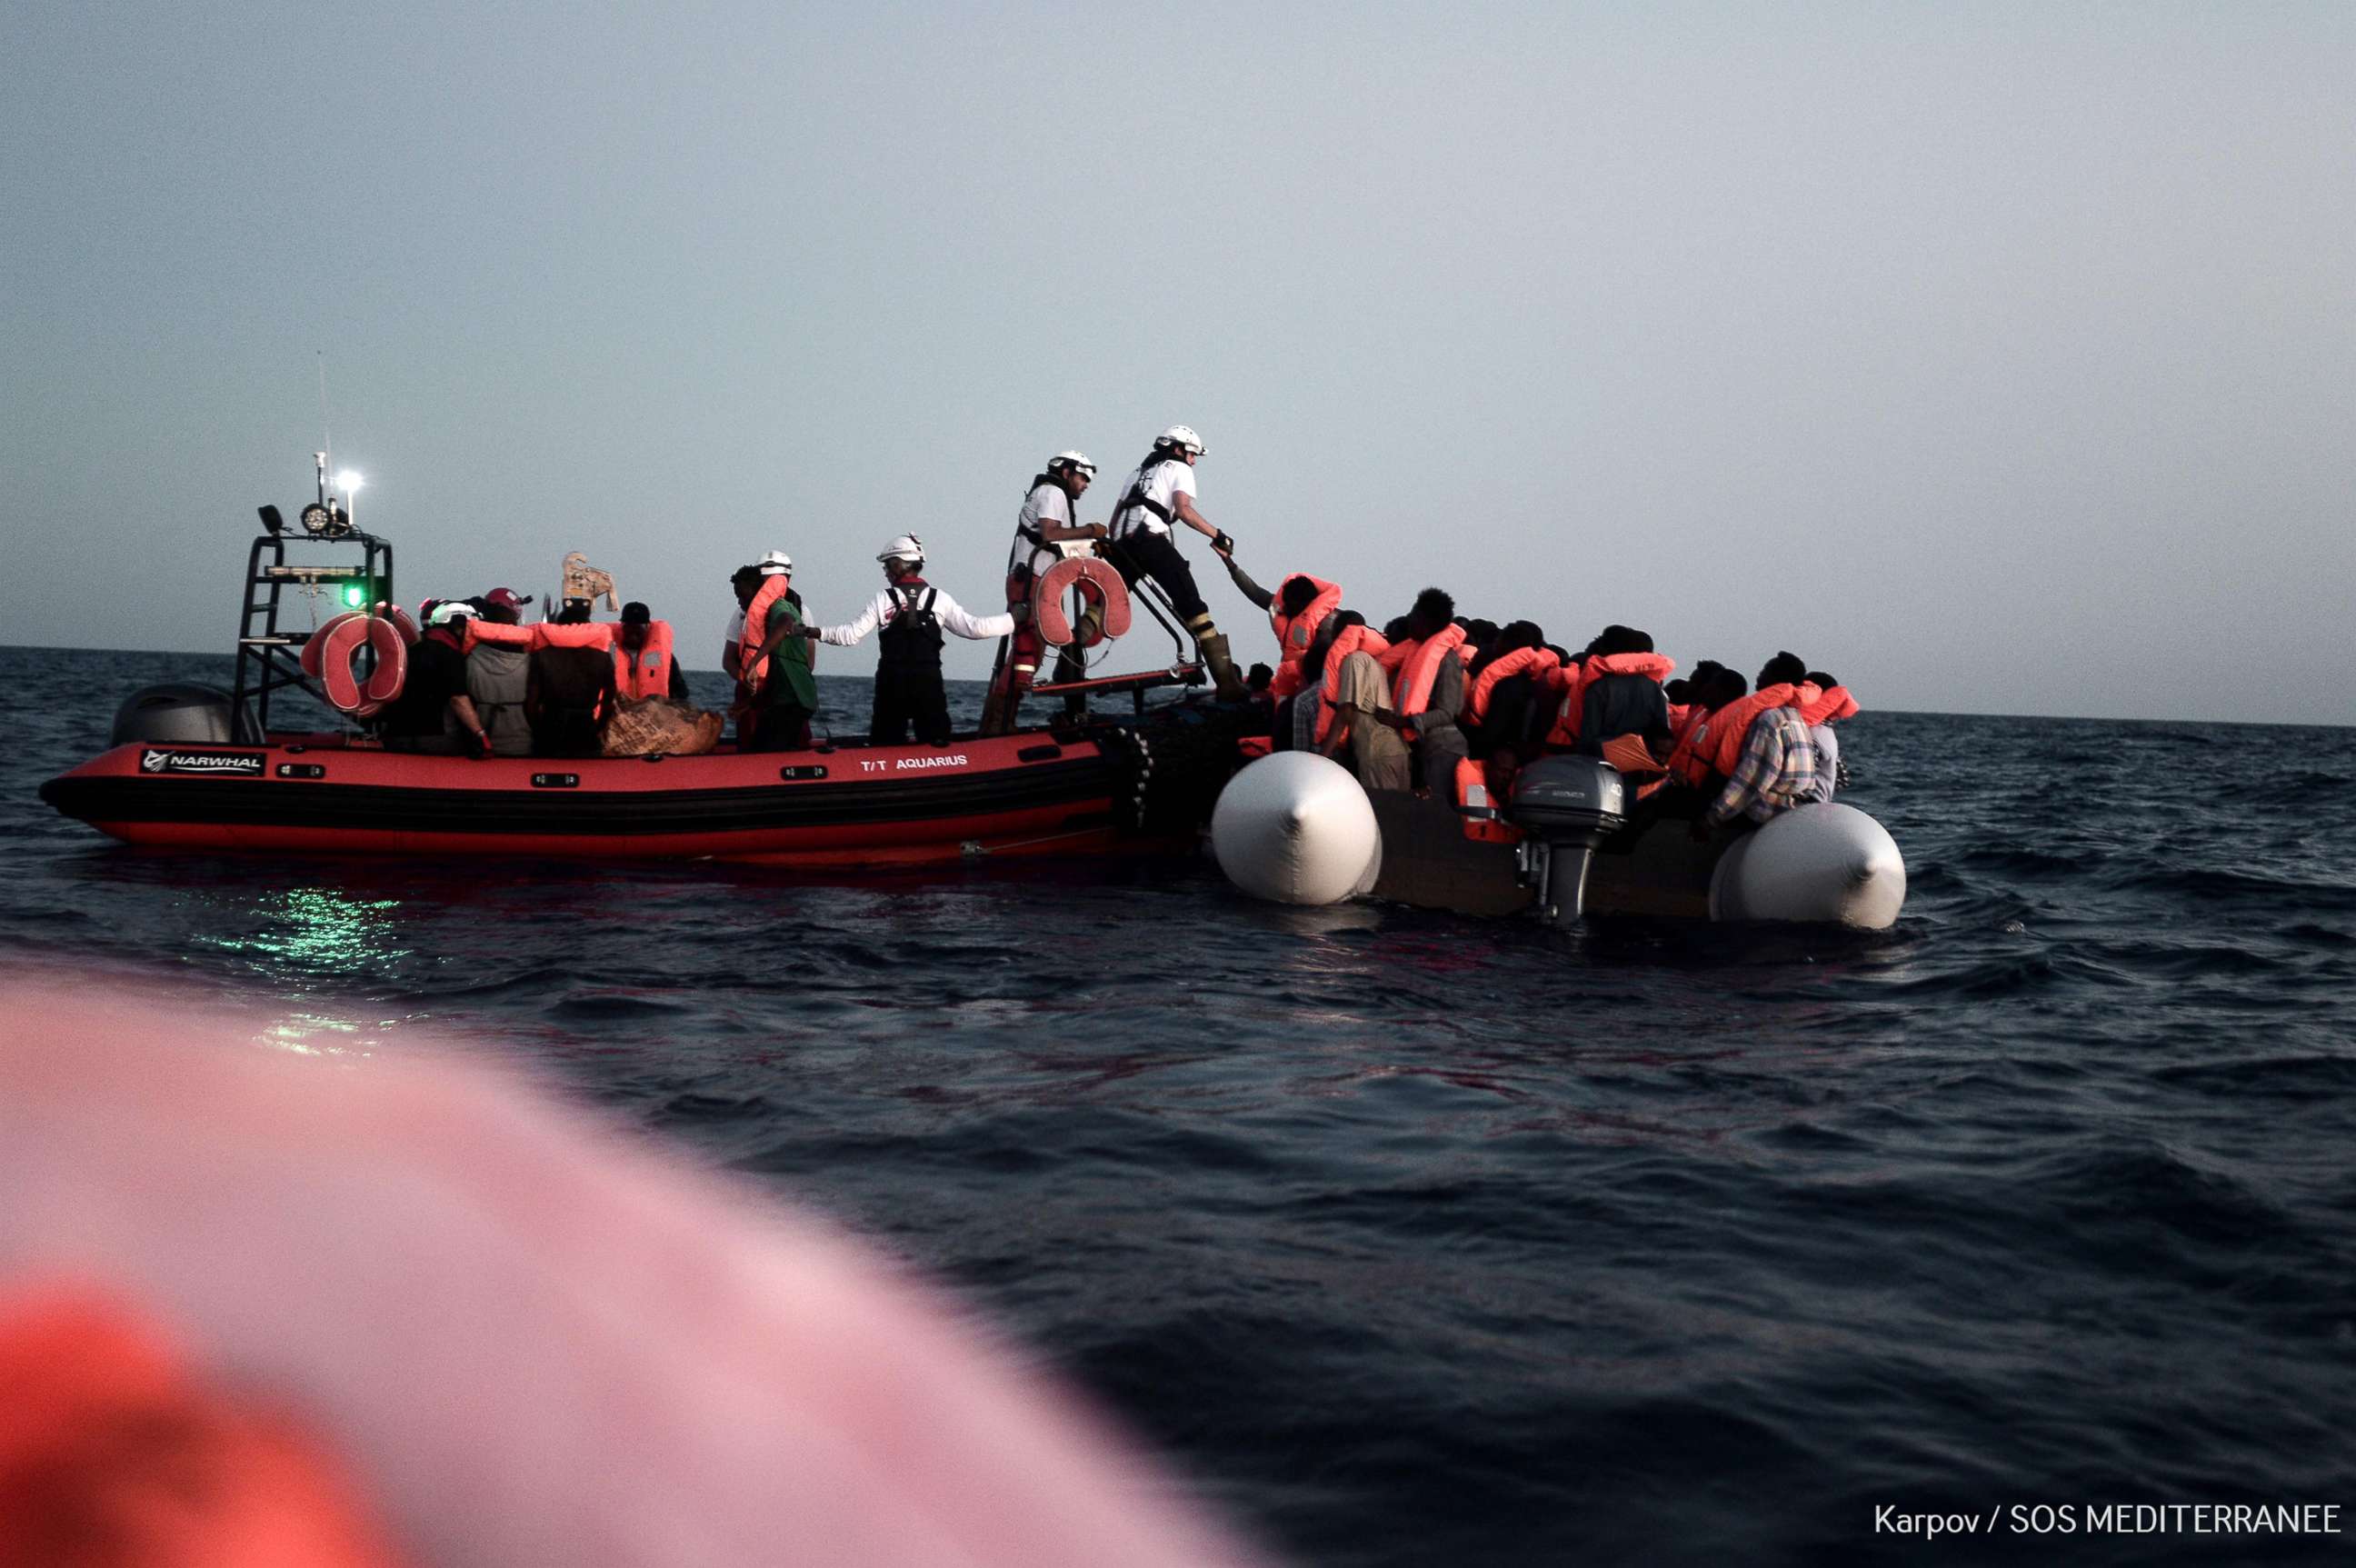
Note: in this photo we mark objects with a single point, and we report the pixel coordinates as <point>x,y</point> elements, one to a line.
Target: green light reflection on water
<point>317,933</point>
<point>310,938</point>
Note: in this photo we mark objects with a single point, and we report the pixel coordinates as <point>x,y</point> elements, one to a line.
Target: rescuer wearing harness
<point>913,614</point>
<point>1159,493</point>
<point>1047,523</point>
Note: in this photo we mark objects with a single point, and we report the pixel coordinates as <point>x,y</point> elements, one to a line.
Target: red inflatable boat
<point>1083,791</point>
<point>199,767</point>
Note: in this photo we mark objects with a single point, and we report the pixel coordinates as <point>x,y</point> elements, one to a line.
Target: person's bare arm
<point>1346,716</point>
<point>462,708</point>
<point>1182,508</point>
<point>1242,579</point>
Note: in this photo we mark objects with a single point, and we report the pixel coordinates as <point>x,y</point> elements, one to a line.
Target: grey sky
<point>1993,358</point>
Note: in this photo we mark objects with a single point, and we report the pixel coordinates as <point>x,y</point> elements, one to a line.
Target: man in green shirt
<point>780,672</point>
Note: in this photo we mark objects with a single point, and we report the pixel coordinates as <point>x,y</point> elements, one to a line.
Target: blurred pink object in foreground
<point>530,1342</point>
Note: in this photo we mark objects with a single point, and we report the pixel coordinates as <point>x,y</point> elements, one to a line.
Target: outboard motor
<point>1567,805</point>
<point>176,715</point>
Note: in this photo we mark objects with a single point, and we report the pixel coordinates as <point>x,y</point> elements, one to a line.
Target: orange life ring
<point>400,619</point>
<point>318,642</point>
<point>339,645</point>
<point>1097,581</point>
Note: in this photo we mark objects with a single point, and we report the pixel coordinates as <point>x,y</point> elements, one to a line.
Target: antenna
<point>324,440</point>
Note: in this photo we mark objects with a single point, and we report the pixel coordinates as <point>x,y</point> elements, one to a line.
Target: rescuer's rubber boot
<point>1214,647</point>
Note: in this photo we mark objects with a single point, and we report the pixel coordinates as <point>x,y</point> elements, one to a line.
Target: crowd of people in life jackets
<point>1436,702</point>
<point>482,684</point>
<point>1432,702</point>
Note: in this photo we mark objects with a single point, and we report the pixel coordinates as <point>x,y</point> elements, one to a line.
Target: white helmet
<point>774,562</point>
<point>1182,437</point>
<point>907,547</point>
<point>1079,460</point>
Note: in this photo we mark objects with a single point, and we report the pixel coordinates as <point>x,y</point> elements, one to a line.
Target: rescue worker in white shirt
<point>1047,522</point>
<point>1159,493</point>
<point>913,614</point>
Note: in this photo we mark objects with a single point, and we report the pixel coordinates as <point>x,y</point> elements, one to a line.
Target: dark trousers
<point>1437,752</point>
<point>566,732</point>
<point>905,697</point>
<point>784,727</point>
<point>1144,554</point>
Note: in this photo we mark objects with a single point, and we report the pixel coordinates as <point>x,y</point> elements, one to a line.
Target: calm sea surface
<point>1417,1239</point>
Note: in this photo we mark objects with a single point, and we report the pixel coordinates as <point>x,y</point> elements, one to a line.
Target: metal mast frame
<point>269,655</point>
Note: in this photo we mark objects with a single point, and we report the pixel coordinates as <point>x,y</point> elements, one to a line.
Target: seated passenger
<point>498,674</point>
<point>1481,636</point>
<point>1427,687</point>
<point>1692,781</point>
<point>569,688</point>
<point>1362,722</point>
<point>1833,705</point>
<point>1623,694</point>
<point>1775,771</point>
<point>1299,717</point>
<point>1509,716</point>
<point>432,713</point>
<point>643,665</point>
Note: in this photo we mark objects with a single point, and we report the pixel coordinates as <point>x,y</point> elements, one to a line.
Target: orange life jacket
<point>479,632</point>
<point>114,1449</point>
<point>596,634</point>
<point>1350,640</point>
<point>647,672</point>
<point>1832,704</point>
<point>1419,668</point>
<point>1732,722</point>
<point>1568,718</point>
<point>1295,633</point>
<point>1476,805</point>
<point>752,659</point>
<point>1521,661</point>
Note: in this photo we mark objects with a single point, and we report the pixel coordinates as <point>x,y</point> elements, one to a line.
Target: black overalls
<point>908,689</point>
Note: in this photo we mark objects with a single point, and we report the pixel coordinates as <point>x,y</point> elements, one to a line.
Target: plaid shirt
<point>1776,772</point>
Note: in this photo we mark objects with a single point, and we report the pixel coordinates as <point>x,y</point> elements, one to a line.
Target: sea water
<point>1412,1239</point>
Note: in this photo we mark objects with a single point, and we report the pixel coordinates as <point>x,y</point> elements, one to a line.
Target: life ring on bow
<point>400,619</point>
<point>339,643</point>
<point>1098,586</point>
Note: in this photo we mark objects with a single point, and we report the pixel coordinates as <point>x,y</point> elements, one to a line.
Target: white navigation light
<point>348,481</point>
